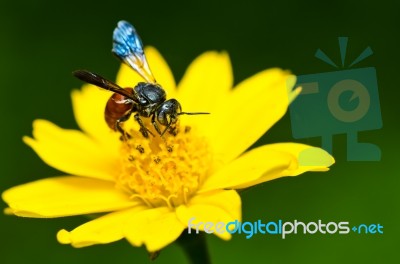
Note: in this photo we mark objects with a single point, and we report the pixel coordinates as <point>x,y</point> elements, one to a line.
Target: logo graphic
<point>281,228</point>
<point>338,102</point>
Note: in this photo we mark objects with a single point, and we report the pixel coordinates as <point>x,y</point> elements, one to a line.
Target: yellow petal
<point>248,168</point>
<point>127,77</point>
<point>65,196</point>
<point>267,163</point>
<point>8,211</point>
<point>155,228</point>
<point>205,84</point>
<point>209,75</point>
<point>102,230</point>
<point>72,152</point>
<point>253,107</point>
<point>212,207</point>
<point>304,158</point>
<point>292,93</point>
<point>88,105</point>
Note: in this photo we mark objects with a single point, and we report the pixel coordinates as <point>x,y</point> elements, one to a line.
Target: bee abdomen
<point>117,107</point>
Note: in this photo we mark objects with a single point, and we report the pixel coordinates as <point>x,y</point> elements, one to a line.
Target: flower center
<point>163,171</point>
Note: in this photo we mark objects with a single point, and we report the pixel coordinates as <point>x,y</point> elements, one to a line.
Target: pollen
<point>163,171</point>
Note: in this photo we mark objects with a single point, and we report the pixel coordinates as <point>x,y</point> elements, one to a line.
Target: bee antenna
<point>193,113</point>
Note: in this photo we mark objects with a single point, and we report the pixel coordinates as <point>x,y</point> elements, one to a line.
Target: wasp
<point>145,100</point>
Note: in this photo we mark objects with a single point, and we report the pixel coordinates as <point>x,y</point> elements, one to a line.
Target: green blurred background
<point>43,41</point>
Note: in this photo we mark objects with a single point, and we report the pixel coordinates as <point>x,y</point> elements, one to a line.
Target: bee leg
<point>153,121</point>
<point>145,132</point>
<point>173,130</point>
<point>125,135</point>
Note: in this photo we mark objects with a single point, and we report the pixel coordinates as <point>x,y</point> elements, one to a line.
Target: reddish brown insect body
<point>117,107</point>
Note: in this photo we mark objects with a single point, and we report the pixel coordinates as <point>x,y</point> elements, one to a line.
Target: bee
<point>145,100</point>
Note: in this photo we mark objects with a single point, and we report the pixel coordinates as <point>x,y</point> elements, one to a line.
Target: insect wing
<point>100,81</point>
<point>128,47</point>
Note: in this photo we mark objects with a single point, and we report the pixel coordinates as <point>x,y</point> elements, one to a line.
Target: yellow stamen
<point>164,171</point>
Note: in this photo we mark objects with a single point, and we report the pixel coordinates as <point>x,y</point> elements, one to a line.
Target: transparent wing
<point>128,47</point>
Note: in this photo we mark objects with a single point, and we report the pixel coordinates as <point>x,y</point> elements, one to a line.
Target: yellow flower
<point>150,188</point>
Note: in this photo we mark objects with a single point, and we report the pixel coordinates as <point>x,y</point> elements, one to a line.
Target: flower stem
<point>195,247</point>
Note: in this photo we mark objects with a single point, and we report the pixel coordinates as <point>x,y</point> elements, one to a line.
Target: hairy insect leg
<point>173,130</point>
<point>143,129</point>
<point>170,129</point>
<point>153,121</point>
<point>124,135</point>
<point>157,128</point>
